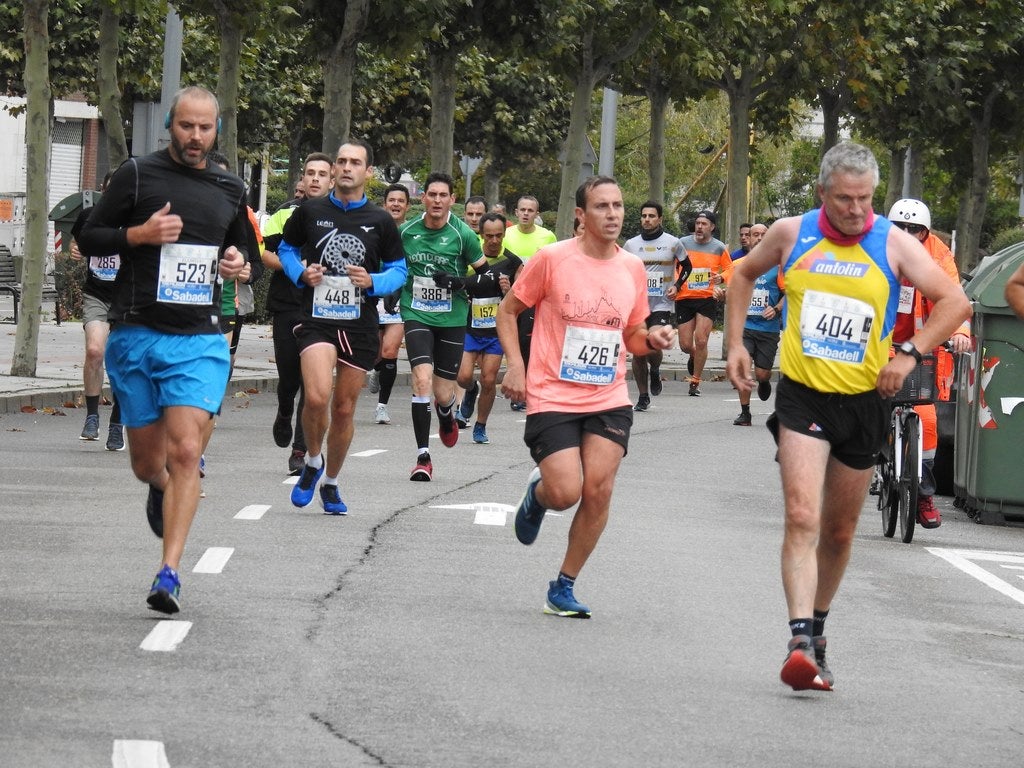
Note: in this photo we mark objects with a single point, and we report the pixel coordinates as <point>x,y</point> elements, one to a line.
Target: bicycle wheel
<point>910,476</point>
<point>884,484</point>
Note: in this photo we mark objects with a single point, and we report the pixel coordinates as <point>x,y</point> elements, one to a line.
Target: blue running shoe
<point>155,511</point>
<point>480,434</point>
<point>529,513</point>
<point>562,602</point>
<point>163,595</point>
<point>330,500</point>
<point>202,466</point>
<point>302,493</point>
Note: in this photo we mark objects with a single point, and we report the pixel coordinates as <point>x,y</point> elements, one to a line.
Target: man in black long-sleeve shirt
<point>179,225</point>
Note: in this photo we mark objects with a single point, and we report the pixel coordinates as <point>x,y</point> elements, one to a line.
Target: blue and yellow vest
<point>841,303</point>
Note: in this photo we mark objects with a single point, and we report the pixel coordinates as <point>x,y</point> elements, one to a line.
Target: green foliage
<point>1001,216</point>
<point>1006,237</point>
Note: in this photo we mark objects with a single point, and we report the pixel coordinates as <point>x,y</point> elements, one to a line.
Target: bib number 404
<point>835,327</point>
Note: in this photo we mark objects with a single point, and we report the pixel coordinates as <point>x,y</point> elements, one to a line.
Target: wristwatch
<point>908,348</point>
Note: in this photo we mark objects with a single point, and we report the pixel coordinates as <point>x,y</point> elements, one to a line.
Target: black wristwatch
<point>908,348</point>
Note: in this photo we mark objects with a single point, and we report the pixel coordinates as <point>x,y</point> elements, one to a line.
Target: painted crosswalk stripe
<point>368,453</point>
<point>213,560</point>
<point>252,512</point>
<point>166,635</point>
<point>135,753</point>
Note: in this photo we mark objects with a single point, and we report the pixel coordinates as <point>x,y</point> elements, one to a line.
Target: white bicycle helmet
<point>910,211</point>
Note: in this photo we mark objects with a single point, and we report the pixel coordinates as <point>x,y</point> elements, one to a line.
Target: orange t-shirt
<point>583,305</point>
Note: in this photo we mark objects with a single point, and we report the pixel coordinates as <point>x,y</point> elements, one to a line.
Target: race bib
<point>906,305</point>
<point>484,314</point>
<point>105,267</point>
<point>395,318</point>
<point>699,279</point>
<point>590,355</point>
<point>834,327</point>
<point>655,282</point>
<point>428,297</point>
<point>336,298</point>
<point>758,302</point>
<point>187,274</point>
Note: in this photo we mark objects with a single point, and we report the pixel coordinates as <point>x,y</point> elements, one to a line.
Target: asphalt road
<point>410,632</point>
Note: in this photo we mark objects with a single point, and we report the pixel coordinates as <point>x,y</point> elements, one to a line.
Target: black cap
<point>709,215</point>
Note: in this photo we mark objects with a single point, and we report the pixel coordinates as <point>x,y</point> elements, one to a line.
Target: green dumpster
<point>965,386</point>
<point>988,475</point>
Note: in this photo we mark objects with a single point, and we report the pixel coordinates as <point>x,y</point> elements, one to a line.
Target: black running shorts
<point>854,425</point>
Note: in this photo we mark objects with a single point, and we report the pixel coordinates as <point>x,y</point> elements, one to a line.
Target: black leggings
<point>289,371</point>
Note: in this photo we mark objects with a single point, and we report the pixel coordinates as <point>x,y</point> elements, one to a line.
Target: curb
<point>59,397</point>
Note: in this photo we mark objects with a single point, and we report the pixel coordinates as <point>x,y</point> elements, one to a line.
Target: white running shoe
<point>382,416</point>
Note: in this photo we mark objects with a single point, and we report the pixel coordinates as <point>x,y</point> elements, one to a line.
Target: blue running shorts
<point>489,345</point>
<point>150,371</point>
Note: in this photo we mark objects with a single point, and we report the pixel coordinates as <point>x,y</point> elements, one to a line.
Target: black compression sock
<point>819,623</point>
<point>800,627</point>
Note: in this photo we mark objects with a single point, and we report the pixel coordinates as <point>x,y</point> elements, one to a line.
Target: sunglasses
<point>911,228</point>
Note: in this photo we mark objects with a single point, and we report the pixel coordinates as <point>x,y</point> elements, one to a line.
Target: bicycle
<point>898,471</point>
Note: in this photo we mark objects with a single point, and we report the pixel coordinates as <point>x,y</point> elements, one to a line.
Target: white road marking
<point>166,635</point>
<point>213,560</point>
<point>290,480</point>
<point>368,453</point>
<point>966,560</point>
<point>134,753</point>
<point>487,512</point>
<point>252,512</point>
<point>491,514</point>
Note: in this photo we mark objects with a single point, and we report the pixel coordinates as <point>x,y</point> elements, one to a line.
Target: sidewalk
<point>61,353</point>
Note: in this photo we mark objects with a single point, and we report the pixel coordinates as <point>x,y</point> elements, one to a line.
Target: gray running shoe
<point>91,430</point>
<point>115,437</point>
<point>824,672</point>
<point>373,382</point>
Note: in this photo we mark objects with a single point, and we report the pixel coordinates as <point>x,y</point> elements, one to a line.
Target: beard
<point>180,151</point>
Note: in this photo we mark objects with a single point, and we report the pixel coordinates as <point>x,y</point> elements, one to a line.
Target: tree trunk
<point>228,75</point>
<point>37,166</point>
<point>442,63</point>
<point>914,175</point>
<point>830,102</point>
<point>339,72</point>
<point>894,189</point>
<point>657,94</point>
<point>107,84</point>
<point>492,183</point>
<point>736,200</point>
<point>579,119</point>
<point>968,238</point>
